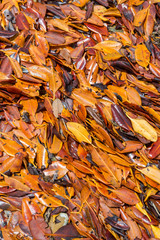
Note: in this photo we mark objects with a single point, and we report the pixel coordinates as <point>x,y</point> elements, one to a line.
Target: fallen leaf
<point>142,127</point>
<point>142,55</point>
<point>79,132</point>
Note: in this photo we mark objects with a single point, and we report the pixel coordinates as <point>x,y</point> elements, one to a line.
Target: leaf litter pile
<point>80,120</point>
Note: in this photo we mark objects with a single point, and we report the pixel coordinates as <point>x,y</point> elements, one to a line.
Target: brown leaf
<point>22,22</point>
<point>39,228</point>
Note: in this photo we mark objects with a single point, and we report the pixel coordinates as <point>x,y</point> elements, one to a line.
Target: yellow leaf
<point>16,183</point>
<point>54,82</point>
<point>156,231</point>
<point>79,132</point>
<point>151,172</point>
<point>48,200</point>
<point>103,12</point>
<point>155,115</point>
<point>140,17</point>
<point>142,127</point>
<point>135,2</point>
<point>3,76</point>
<point>59,23</point>
<point>154,1</point>
<point>108,46</point>
<point>124,38</point>
<point>121,1</point>
<point>140,207</point>
<point>8,4</point>
<point>133,96</point>
<point>149,192</point>
<point>142,55</point>
<point>80,3</point>
<point>104,162</point>
<point>111,54</point>
<point>30,106</point>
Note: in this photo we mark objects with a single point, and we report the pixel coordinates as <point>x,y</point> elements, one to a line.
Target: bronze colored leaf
<point>140,17</point>
<point>120,118</point>
<point>22,22</point>
<point>155,149</point>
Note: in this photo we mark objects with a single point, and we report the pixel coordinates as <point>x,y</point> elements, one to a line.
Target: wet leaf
<point>56,145</point>
<point>127,196</point>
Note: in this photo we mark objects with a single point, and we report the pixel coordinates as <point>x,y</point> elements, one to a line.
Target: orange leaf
<point>56,145</point>
<point>37,55</point>
<point>142,55</point>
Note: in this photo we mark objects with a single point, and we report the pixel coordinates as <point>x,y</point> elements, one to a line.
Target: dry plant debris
<point>80,119</point>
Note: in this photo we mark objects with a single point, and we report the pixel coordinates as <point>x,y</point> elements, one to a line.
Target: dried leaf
<point>142,55</point>
<point>155,149</point>
<point>57,107</point>
<point>120,118</point>
<point>56,145</point>
<point>79,132</point>
<point>142,127</point>
<point>140,17</point>
<point>108,46</point>
<point>37,55</point>
<point>22,22</point>
<point>152,173</point>
<point>39,229</point>
<point>16,67</point>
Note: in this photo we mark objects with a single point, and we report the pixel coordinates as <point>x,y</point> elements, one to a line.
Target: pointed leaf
<point>79,132</point>
<point>142,127</point>
<point>155,149</point>
<point>142,55</point>
<point>127,196</point>
<point>120,118</point>
<point>108,46</point>
<point>140,17</point>
<point>152,173</point>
